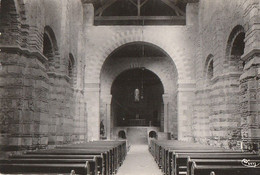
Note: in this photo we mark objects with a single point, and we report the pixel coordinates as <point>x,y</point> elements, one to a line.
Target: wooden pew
<point>180,160</point>
<point>109,155</point>
<point>91,161</point>
<point>167,154</point>
<point>163,152</point>
<point>45,168</point>
<point>119,148</point>
<point>115,151</point>
<point>170,152</point>
<point>76,153</point>
<point>230,162</point>
<point>223,170</point>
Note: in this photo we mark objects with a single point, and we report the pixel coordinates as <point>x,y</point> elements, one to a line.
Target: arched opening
<point>137,98</point>
<point>209,69</point>
<point>235,49</point>
<point>138,88</point>
<point>72,69</point>
<point>122,134</point>
<point>152,134</point>
<point>49,48</point>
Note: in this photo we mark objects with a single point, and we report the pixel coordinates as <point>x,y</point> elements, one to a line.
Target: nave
<point>142,161</point>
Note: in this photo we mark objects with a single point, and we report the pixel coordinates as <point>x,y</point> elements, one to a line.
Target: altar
<point>137,122</point>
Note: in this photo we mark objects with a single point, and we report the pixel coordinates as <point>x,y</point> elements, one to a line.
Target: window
<point>209,68</point>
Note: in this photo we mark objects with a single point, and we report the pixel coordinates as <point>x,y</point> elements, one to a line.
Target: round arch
<point>125,70</point>
<point>237,30</point>
<point>209,68</point>
<point>162,66</point>
<point>50,47</point>
<point>120,39</point>
<point>51,35</point>
<point>135,63</point>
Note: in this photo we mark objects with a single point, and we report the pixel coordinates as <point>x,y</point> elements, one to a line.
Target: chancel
<point>130,87</point>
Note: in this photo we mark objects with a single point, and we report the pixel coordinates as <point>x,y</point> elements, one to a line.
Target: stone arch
<point>236,31</point>
<point>166,72</point>
<point>152,134</point>
<point>185,80</point>
<point>123,69</point>
<point>129,36</point>
<point>49,32</point>
<point>209,67</point>
<point>234,51</point>
<point>122,134</point>
<point>135,63</point>
<point>50,48</point>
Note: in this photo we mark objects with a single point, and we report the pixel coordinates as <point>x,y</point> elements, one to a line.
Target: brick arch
<point>100,54</point>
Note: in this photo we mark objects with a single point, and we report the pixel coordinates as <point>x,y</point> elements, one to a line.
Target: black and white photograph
<point>130,87</point>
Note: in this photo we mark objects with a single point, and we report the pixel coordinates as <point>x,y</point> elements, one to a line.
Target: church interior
<point>98,78</point>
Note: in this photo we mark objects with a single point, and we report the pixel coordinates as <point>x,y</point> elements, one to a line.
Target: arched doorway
<point>152,134</point>
<point>122,134</point>
<point>122,75</point>
<point>137,98</point>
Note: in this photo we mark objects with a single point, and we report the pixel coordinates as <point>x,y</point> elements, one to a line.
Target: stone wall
<point>41,106</point>
<point>179,42</point>
<point>218,104</point>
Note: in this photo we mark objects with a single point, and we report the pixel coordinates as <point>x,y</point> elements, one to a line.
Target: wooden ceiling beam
<point>126,18</point>
<point>174,7</point>
<point>100,10</point>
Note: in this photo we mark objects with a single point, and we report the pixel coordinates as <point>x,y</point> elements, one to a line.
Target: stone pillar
<point>250,101</point>
<point>88,16</point>
<point>166,111</point>
<point>93,120</point>
<point>186,96</point>
<point>107,100</point>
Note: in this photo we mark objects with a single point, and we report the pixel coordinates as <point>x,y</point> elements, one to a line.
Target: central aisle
<point>139,162</point>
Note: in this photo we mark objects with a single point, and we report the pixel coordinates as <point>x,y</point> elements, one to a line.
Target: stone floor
<point>139,162</point>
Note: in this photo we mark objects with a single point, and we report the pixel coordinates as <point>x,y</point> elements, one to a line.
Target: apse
<point>137,98</point>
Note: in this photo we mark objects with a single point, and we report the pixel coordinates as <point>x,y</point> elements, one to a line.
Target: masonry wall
<point>179,42</point>
<point>41,107</point>
<point>218,106</point>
